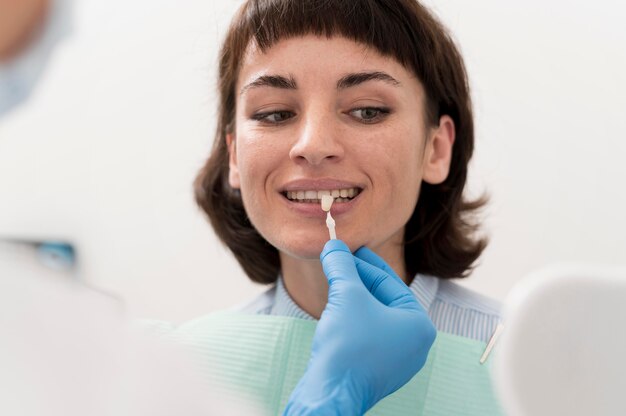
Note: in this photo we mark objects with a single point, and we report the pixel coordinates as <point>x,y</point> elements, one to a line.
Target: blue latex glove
<point>372,338</point>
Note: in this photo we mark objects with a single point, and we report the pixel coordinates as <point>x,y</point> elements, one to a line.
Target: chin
<point>310,247</point>
<point>304,250</point>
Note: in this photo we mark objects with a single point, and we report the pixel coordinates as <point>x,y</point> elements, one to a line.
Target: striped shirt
<point>452,308</point>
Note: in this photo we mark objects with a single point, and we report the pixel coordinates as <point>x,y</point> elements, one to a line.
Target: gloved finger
<point>388,289</point>
<point>338,263</point>
<point>374,259</point>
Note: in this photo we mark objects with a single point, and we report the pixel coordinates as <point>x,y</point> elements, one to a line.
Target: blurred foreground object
<point>19,23</point>
<point>564,344</point>
<point>23,258</point>
<point>29,31</point>
<point>66,349</point>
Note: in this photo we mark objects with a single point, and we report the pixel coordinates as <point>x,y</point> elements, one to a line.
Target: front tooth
<point>320,194</point>
<point>344,193</point>
<point>335,193</point>
<point>310,195</point>
<point>300,195</point>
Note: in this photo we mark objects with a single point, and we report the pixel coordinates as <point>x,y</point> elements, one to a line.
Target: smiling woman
<point>406,36</point>
<point>335,96</point>
<point>367,101</point>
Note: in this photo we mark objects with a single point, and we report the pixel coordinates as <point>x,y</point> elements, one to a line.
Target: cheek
<point>247,160</point>
<point>399,175</point>
<point>257,156</point>
<point>396,160</point>
<point>252,165</point>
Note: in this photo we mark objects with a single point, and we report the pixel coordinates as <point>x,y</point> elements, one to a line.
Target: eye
<point>273,117</point>
<point>369,114</point>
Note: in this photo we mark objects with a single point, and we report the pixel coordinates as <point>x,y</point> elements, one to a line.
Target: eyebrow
<point>347,81</point>
<point>352,80</point>
<point>275,81</point>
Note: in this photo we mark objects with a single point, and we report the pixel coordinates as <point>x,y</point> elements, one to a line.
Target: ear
<point>233,169</point>
<point>438,152</point>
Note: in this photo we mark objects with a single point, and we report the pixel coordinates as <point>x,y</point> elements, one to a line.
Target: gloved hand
<point>371,339</point>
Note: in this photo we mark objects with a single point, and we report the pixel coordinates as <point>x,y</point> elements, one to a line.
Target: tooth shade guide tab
<point>327,202</point>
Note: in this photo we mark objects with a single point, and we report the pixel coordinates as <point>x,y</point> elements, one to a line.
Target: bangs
<point>383,25</point>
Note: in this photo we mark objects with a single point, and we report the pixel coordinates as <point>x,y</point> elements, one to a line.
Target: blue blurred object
<point>56,255</point>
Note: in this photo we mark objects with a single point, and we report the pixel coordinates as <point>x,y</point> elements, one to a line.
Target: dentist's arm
<point>372,338</point>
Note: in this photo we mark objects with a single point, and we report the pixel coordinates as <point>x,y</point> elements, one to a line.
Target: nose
<point>319,141</point>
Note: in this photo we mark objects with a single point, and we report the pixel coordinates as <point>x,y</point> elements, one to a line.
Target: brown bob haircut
<point>439,237</point>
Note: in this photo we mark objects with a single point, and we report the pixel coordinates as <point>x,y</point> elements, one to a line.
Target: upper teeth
<point>335,193</point>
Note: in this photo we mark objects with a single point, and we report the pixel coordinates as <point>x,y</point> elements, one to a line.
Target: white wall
<point>105,152</point>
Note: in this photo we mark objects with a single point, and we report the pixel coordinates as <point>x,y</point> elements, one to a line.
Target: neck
<point>306,284</point>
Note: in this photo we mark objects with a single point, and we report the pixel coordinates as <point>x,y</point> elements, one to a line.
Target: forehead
<point>318,58</point>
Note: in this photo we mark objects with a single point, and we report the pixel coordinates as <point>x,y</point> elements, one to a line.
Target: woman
<point>368,101</point>
<point>369,98</point>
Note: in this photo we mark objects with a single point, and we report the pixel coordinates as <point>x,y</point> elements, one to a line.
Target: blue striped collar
<point>424,288</point>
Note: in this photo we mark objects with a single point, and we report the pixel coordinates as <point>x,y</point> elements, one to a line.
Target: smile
<point>312,196</point>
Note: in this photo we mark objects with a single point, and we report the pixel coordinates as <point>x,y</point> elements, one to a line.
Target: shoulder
<point>462,311</point>
<point>462,297</point>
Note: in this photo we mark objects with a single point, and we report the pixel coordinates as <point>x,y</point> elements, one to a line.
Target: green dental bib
<point>259,359</point>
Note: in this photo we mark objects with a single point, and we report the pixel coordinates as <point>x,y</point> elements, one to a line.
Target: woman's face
<point>318,114</point>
